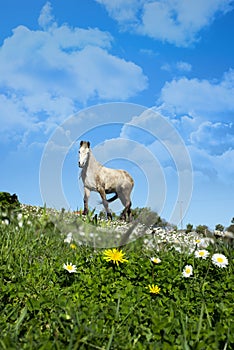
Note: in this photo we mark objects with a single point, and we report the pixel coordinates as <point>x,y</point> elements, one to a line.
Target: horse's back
<point>114,178</point>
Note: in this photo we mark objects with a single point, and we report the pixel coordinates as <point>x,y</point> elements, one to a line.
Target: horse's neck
<point>92,162</point>
<point>92,166</point>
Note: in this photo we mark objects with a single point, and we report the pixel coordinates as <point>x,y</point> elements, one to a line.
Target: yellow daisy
<point>114,255</point>
<point>154,289</point>
<point>73,246</point>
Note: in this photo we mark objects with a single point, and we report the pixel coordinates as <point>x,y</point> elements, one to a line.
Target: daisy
<point>154,289</point>
<point>155,260</point>
<point>114,255</point>
<point>220,260</point>
<point>203,253</point>
<point>69,267</point>
<point>6,222</point>
<point>178,248</point>
<point>188,271</point>
<point>68,239</point>
<point>204,242</point>
<point>19,216</point>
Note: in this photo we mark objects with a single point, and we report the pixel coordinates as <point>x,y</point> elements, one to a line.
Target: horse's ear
<point>88,143</point>
<point>81,143</point>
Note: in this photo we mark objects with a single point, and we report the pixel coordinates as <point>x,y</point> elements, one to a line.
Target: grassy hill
<point>64,287</point>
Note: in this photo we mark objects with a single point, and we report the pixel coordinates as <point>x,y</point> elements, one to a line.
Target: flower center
<point>116,256</point>
<point>220,260</point>
<point>69,267</point>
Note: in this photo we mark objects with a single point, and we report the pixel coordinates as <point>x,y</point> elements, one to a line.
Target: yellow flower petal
<point>154,289</point>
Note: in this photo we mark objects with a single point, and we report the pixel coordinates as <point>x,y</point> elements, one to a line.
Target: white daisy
<point>19,216</point>
<point>188,271</point>
<point>69,267</point>
<point>6,222</point>
<point>155,260</point>
<point>202,253</point>
<point>204,242</point>
<point>178,248</point>
<point>219,260</point>
<point>68,239</point>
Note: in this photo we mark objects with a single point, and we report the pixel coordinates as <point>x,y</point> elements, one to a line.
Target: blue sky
<point>149,83</point>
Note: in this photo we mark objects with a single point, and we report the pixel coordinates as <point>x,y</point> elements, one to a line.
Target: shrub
<point>8,201</point>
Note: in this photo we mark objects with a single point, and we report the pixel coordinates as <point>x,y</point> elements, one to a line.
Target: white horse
<point>104,180</point>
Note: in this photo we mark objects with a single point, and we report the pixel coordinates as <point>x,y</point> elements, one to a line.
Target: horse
<point>98,178</point>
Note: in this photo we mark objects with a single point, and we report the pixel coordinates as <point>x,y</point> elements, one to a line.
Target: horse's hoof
<point>123,217</point>
<point>109,216</point>
<point>95,219</point>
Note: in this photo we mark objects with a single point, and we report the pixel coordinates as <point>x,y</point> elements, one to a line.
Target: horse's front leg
<point>105,203</point>
<point>86,201</point>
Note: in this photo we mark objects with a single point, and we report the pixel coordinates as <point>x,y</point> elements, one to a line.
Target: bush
<point>230,228</point>
<point>8,201</point>
<point>202,229</point>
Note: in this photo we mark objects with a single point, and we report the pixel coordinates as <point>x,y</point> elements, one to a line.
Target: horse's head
<point>83,153</point>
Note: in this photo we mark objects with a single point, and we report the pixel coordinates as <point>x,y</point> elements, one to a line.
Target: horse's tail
<point>112,199</point>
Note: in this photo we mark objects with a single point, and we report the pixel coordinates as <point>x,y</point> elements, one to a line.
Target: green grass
<point>104,306</point>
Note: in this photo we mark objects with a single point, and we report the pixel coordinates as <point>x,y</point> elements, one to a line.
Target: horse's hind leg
<point>125,200</point>
<point>129,212</point>
<point>126,213</point>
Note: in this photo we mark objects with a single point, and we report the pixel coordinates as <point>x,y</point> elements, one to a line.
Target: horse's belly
<point>110,190</point>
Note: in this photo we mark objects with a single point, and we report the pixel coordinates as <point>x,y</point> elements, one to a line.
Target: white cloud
<point>175,21</point>
<point>225,165</point>
<point>9,113</point>
<point>179,21</point>
<point>58,69</point>
<point>124,11</point>
<point>46,63</point>
<point>111,77</point>
<point>52,106</point>
<point>183,66</point>
<point>166,67</point>
<point>149,52</point>
<point>46,18</point>
<point>194,96</point>
<point>180,66</point>
<point>215,138</point>
<point>216,169</point>
<point>165,142</point>
<point>202,112</point>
